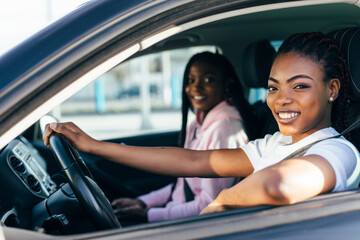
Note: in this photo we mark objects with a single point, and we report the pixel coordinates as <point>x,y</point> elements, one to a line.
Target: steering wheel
<point>88,193</point>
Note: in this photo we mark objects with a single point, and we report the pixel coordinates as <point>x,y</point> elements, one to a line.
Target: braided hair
<point>234,96</point>
<point>324,50</point>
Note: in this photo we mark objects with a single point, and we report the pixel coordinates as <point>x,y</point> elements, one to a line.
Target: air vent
<point>33,183</point>
<point>17,164</point>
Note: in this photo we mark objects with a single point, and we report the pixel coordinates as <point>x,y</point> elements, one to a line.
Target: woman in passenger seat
<point>211,89</point>
<point>308,96</point>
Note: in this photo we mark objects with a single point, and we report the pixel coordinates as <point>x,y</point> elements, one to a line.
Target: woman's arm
<point>287,182</point>
<point>169,160</point>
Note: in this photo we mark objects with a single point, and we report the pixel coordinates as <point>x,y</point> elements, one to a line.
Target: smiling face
<point>205,86</point>
<point>298,96</point>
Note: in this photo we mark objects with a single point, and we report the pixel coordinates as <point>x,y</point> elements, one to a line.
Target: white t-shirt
<point>340,153</point>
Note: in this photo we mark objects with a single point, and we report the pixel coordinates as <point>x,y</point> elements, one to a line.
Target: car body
<point>52,65</point>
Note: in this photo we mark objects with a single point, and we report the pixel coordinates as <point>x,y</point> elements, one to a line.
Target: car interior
<point>35,194</point>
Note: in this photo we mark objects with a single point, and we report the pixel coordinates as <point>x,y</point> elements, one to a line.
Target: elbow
<point>278,191</point>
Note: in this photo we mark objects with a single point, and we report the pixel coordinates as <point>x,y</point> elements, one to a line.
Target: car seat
<point>256,65</point>
<point>349,41</point>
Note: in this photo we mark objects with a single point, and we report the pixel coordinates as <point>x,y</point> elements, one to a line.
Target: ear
<point>334,88</point>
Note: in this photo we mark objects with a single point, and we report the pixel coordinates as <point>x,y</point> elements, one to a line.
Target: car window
<point>260,94</point>
<point>141,95</point>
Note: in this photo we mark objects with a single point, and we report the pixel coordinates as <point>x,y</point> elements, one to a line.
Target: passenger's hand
<point>130,209</point>
<point>73,133</point>
<point>213,207</point>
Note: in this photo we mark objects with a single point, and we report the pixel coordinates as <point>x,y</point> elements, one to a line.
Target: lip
<point>287,117</point>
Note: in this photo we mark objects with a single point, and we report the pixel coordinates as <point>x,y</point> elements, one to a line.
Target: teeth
<point>198,97</point>
<point>287,115</point>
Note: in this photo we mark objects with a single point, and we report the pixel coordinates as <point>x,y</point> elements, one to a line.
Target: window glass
<point>141,95</point>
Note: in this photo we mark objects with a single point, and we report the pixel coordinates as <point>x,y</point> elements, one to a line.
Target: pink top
<point>222,128</point>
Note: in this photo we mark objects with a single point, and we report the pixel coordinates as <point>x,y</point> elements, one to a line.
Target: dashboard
<point>27,165</point>
<point>24,181</point>
<point>30,199</point>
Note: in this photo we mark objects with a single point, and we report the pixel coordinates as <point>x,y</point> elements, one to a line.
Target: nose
<point>198,84</point>
<point>283,97</point>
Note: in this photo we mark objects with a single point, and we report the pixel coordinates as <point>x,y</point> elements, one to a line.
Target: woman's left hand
<point>130,209</point>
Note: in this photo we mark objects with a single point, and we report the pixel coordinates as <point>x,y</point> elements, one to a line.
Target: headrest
<point>257,61</point>
<point>349,41</point>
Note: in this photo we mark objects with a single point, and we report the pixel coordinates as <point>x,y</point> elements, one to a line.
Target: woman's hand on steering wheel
<point>90,196</point>
<point>78,138</point>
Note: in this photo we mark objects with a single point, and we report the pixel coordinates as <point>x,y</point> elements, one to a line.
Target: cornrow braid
<point>324,50</point>
<point>235,91</point>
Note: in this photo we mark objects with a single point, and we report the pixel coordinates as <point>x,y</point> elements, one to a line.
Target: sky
<point>20,19</point>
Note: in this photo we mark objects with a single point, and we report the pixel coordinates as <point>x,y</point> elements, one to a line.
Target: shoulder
<point>225,133</point>
<point>337,146</point>
<point>222,111</point>
<point>277,139</point>
<point>224,129</point>
<point>259,146</point>
<point>336,149</point>
<point>223,119</point>
<point>342,156</point>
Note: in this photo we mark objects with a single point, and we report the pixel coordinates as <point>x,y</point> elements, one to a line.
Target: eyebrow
<point>292,78</point>
<point>205,73</point>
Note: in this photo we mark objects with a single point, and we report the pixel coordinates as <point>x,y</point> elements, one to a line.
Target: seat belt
<point>303,150</point>
<point>189,195</point>
<point>354,180</point>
